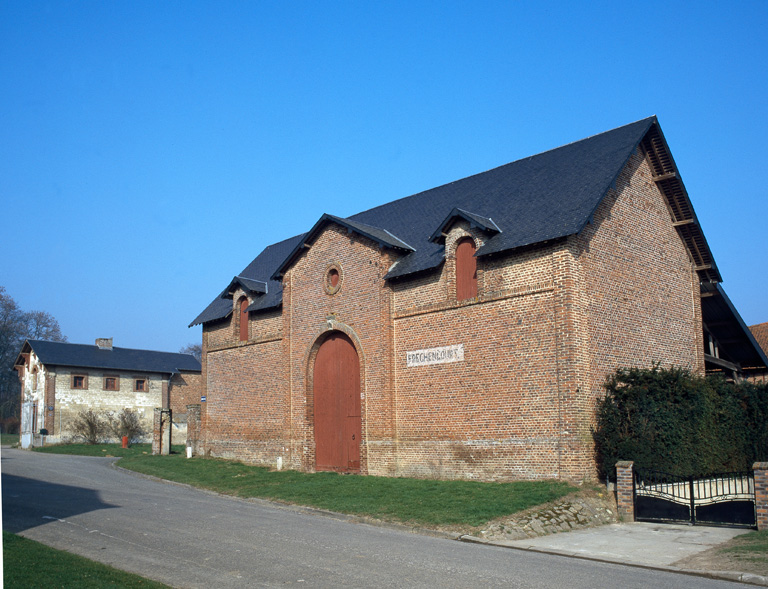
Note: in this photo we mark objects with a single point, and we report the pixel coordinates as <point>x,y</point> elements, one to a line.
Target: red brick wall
<point>644,303</point>
<point>492,416</point>
<point>245,388</point>
<point>245,402</point>
<point>184,390</point>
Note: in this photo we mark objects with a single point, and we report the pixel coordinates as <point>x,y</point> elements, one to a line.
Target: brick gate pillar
<point>194,424</point>
<point>625,490</point>
<point>761,494</point>
<point>161,432</point>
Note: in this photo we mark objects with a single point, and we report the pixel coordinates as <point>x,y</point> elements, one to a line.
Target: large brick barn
<point>466,331</point>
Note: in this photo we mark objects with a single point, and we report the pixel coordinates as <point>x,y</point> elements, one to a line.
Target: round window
<point>333,278</point>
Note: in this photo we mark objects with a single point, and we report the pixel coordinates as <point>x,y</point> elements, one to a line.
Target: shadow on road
<point>43,502</point>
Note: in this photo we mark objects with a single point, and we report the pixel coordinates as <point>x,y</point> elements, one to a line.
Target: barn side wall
<point>528,356</point>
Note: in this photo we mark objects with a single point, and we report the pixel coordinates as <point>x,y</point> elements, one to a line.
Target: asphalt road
<point>190,538</point>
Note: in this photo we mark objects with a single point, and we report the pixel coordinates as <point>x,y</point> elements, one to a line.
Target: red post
<point>625,490</point>
<point>125,441</point>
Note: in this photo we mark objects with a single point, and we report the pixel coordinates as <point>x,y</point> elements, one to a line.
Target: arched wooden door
<point>336,387</point>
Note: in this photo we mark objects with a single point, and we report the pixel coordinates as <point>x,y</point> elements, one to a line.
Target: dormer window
<point>466,270</point>
<point>243,305</point>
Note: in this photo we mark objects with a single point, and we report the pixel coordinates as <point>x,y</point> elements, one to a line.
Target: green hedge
<point>674,421</point>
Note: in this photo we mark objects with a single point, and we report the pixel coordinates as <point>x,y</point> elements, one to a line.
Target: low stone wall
<point>571,513</point>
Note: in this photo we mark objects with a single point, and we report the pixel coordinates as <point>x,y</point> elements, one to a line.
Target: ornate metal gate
<point>726,499</point>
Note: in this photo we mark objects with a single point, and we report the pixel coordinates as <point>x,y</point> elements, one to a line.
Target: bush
<point>9,425</point>
<point>90,427</point>
<point>127,423</point>
<point>677,422</point>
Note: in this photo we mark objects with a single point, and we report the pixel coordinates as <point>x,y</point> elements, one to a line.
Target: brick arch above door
<point>337,419</point>
<point>329,327</point>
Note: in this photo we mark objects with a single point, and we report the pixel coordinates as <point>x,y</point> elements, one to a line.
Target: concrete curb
<point>749,578</point>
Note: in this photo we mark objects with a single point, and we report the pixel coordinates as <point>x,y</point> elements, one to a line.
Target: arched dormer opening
<point>466,269</point>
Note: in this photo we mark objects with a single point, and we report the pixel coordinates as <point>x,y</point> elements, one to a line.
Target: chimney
<point>104,343</point>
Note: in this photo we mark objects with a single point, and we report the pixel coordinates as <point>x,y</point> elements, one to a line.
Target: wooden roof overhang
<point>667,179</point>
<point>734,346</point>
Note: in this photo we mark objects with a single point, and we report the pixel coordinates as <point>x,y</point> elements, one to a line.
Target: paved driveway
<point>189,538</point>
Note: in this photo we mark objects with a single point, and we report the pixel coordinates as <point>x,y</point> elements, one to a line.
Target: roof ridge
<point>44,341</point>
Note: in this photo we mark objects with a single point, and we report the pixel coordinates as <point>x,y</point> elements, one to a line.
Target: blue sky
<point>150,150</point>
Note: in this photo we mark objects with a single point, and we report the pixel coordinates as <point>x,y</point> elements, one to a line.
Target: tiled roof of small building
<point>760,331</point>
<point>533,200</point>
<point>91,356</point>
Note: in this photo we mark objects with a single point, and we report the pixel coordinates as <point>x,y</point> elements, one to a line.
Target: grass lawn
<point>415,501</point>
<point>9,439</point>
<point>465,504</point>
<point>111,450</point>
<point>751,547</point>
<point>30,564</point>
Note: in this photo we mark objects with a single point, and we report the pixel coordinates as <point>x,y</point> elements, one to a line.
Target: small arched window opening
<point>466,270</point>
<point>243,319</point>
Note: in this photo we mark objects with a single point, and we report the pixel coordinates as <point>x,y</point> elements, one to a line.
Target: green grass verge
<point>27,563</point>
<point>752,547</point>
<point>112,450</point>
<point>415,501</point>
<point>9,439</point>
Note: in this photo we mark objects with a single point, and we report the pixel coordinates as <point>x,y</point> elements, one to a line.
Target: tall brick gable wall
<point>361,308</point>
<point>643,291</point>
<point>549,323</point>
<point>637,297</point>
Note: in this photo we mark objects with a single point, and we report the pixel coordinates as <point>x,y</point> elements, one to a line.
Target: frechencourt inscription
<point>442,355</point>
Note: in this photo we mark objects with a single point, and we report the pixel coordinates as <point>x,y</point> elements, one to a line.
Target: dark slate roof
<point>91,356</point>
<point>534,200</point>
<point>485,223</point>
<point>261,269</point>
<point>381,236</point>
<point>247,284</point>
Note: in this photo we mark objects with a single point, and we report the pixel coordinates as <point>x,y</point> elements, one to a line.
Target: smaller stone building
<point>58,380</point>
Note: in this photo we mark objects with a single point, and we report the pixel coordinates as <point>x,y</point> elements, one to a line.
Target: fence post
<point>761,494</point>
<point>157,431</point>
<point>625,490</point>
<point>193,428</point>
<point>161,432</point>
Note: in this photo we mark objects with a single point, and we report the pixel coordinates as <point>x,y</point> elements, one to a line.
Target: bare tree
<point>42,325</point>
<point>11,321</point>
<point>194,349</point>
<point>16,326</point>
